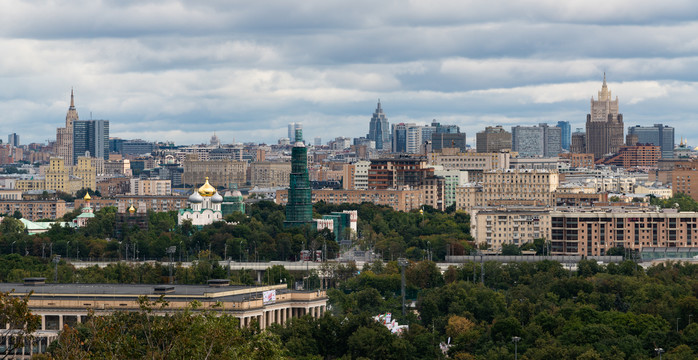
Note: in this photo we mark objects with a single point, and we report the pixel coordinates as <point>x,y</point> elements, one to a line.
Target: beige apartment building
<point>59,177</point>
<point>509,187</point>
<point>34,209</point>
<point>143,203</point>
<point>595,230</point>
<point>355,176</point>
<point>270,174</point>
<point>509,225</point>
<point>475,163</point>
<point>220,173</point>
<point>400,200</point>
<point>150,187</point>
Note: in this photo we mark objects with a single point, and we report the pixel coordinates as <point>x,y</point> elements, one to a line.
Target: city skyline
<point>161,70</point>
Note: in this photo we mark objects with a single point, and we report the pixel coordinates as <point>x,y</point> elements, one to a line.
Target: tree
<point>14,310</point>
<point>510,249</point>
<point>17,214</point>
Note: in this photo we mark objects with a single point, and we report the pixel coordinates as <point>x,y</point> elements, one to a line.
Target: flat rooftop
<point>184,292</point>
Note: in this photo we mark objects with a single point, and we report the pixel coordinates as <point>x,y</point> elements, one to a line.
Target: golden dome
<point>87,196</point>
<point>206,189</point>
<point>132,209</point>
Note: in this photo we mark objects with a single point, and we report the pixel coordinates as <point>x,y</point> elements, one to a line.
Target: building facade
<point>34,210</point>
<point>64,136</point>
<point>604,125</point>
<point>493,139</point>
<point>532,141</point>
<point>270,174</point>
<point>90,138</point>
<point>399,200</point>
<point>595,231</point>
<point>565,134</point>
<point>226,173</point>
<point>658,135</point>
<point>509,225</point>
<point>379,129</point>
<point>393,173</point>
<point>509,187</point>
<point>150,187</point>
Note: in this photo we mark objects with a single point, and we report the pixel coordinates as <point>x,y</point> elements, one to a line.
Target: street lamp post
<point>12,247</point>
<point>659,351</point>
<point>67,250</point>
<point>402,262</point>
<point>55,261</point>
<point>515,340</point>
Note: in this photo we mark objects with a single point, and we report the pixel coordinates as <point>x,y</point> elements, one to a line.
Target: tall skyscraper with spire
<point>379,129</point>
<point>64,135</point>
<point>604,133</point>
<point>299,209</point>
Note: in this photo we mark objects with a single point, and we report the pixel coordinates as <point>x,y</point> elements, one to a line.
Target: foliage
<point>14,310</point>
<point>680,200</point>
<point>187,334</point>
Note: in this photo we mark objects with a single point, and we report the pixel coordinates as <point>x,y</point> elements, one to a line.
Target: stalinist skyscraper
<point>64,135</point>
<point>604,124</point>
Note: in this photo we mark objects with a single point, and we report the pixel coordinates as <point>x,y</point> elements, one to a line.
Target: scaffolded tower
<point>299,208</point>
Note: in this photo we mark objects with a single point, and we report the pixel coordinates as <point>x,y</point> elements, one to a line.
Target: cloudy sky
<point>180,70</point>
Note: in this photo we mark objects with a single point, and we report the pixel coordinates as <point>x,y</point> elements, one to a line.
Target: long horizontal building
<point>34,209</point>
<point>509,225</point>
<point>594,231</point>
<point>509,187</point>
<point>400,200</point>
<point>67,304</point>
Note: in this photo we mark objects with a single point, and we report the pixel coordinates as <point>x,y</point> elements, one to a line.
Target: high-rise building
<point>566,134</point>
<point>578,144</point>
<point>446,136</point>
<point>90,138</point>
<point>493,139</point>
<point>447,140</point>
<point>64,135</point>
<point>299,210</point>
<point>604,133</point>
<point>292,127</point>
<point>379,129</point>
<point>658,135</point>
<point>541,140</point>
<point>414,138</point>
<point>13,139</point>
<point>399,143</point>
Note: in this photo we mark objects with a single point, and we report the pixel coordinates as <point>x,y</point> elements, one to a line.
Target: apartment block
<point>400,200</point>
<point>34,210</point>
<point>451,159</point>
<point>155,203</point>
<point>150,187</point>
<point>509,225</point>
<point>395,173</point>
<point>594,231</point>
<point>509,187</point>
<point>225,173</point>
<point>270,174</point>
<point>355,176</point>
<point>634,156</point>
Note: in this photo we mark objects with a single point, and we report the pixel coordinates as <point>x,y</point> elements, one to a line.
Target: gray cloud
<point>178,70</point>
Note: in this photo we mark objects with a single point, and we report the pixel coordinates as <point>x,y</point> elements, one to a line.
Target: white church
<point>204,207</point>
